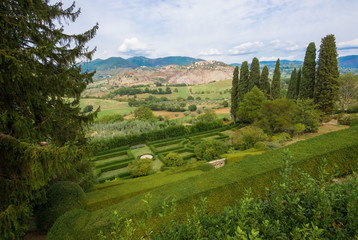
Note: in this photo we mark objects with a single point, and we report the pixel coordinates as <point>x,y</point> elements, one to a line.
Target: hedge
<point>113,150</point>
<point>110,155</point>
<point>227,184</point>
<point>169,132</point>
<point>124,175</point>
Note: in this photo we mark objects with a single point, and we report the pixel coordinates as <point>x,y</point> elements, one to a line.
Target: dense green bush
<point>260,146</point>
<point>173,159</point>
<point>346,119</point>
<point>303,208</point>
<point>307,114</point>
<point>140,167</point>
<point>277,116</point>
<point>246,137</point>
<point>210,149</point>
<point>250,107</point>
<point>61,197</point>
<point>206,167</point>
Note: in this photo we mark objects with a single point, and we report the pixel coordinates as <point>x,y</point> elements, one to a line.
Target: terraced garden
<point>113,163</point>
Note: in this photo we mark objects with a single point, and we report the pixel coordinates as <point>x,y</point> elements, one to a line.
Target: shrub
<point>246,137</point>
<point>260,146</point>
<point>273,145</point>
<point>250,107</point>
<point>346,119</point>
<point>206,167</point>
<point>140,167</point>
<point>88,108</point>
<point>192,107</point>
<point>143,113</point>
<point>354,122</point>
<point>190,98</point>
<point>307,115</point>
<point>173,159</point>
<point>210,150</point>
<point>187,113</point>
<point>208,116</point>
<point>299,128</point>
<point>283,137</point>
<point>277,115</point>
<point>61,197</point>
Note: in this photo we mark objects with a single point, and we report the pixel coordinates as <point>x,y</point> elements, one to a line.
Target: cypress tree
<point>234,94</point>
<point>40,89</point>
<point>276,81</point>
<point>307,82</point>
<point>264,81</point>
<point>254,77</point>
<point>292,86</point>
<point>299,79</point>
<point>244,80</point>
<point>327,86</point>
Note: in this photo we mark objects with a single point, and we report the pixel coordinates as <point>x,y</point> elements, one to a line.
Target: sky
<point>231,31</point>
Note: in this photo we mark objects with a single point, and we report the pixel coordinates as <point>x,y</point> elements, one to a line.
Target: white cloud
<point>246,48</point>
<point>348,44</point>
<point>273,58</point>
<point>132,45</point>
<point>287,45</point>
<point>211,52</point>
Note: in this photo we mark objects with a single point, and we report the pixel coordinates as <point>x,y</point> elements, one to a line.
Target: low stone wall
<point>218,163</point>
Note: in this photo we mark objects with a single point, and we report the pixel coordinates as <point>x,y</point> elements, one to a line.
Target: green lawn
<point>114,193</point>
<point>108,107</point>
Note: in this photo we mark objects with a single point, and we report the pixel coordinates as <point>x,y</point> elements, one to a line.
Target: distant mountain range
<point>134,62</point>
<point>350,61</point>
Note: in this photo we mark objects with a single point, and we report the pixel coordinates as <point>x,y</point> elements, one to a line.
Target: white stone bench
<point>218,163</point>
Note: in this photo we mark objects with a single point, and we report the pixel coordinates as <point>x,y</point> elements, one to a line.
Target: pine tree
<point>254,77</point>
<point>40,90</point>
<point>264,81</point>
<point>234,94</point>
<point>244,81</point>
<point>299,79</point>
<point>307,82</point>
<point>327,86</point>
<point>276,81</point>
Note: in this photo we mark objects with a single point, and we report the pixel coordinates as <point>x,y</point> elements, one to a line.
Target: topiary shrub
<point>206,167</point>
<point>140,167</point>
<point>173,159</point>
<point>260,146</point>
<point>210,150</point>
<point>61,197</point>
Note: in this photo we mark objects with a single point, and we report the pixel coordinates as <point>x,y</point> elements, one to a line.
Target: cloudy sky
<point>231,31</point>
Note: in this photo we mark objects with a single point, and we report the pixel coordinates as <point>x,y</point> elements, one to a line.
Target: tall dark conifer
<point>276,81</point>
<point>299,79</point>
<point>264,81</point>
<point>307,82</point>
<point>40,89</point>
<point>244,80</point>
<point>327,86</point>
<point>292,86</point>
<point>254,77</point>
<point>234,94</point>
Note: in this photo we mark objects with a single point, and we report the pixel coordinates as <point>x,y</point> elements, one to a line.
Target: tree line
<point>315,81</point>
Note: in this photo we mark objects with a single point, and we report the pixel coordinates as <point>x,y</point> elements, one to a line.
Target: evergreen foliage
<point>327,86</point>
<point>264,81</point>
<point>276,81</point>
<point>348,90</point>
<point>173,159</point>
<point>210,149</point>
<point>254,77</point>
<point>250,107</point>
<point>308,73</point>
<point>38,71</point>
<point>292,92</point>
<point>61,197</point>
<point>243,87</point>
<point>234,94</point>
<point>299,79</point>
<point>277,116</point>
